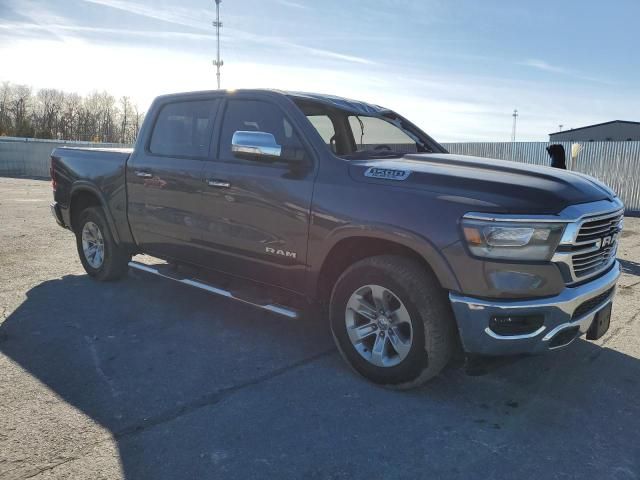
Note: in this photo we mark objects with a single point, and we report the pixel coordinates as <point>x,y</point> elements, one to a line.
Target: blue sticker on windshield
<point>387,173</point>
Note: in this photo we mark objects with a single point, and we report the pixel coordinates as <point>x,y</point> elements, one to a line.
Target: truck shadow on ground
<point>630,267</point>
<point>192,386</point>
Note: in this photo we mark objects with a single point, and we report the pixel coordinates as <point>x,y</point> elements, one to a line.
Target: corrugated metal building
<point>613,131</point>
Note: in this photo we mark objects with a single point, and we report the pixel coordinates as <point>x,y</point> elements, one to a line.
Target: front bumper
<point>560,327</point>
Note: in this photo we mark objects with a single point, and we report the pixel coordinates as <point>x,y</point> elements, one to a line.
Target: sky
<point>456,68</point>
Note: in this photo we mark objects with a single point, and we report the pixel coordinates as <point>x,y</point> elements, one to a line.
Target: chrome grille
<point>587,263</point>
<point>600,227</point>
<point>596,244</point>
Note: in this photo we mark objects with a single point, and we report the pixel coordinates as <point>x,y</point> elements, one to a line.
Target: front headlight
<point>512,240</point>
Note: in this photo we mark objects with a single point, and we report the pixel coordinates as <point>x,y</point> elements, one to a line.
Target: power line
<point>218,25</point>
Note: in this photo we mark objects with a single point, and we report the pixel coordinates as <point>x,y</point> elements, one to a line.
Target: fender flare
<point>408,239</point>
<point>85,186</point>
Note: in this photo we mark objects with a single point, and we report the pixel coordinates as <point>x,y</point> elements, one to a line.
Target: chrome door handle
<point>140,173</point>
<point>218,183</point>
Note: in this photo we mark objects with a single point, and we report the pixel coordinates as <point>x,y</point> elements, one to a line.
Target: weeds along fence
<point>617,164</point>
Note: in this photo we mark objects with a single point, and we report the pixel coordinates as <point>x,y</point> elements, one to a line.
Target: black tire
<point>432,321</point>
<point>115,259</point>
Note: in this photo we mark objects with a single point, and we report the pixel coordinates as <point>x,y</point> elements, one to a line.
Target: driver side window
<point>324,126</point>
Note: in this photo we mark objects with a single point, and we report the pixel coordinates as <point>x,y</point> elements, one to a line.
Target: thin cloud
<point>190,18</point>
<point>152,34</point>
<point>547,67</point>
<point>41,17</point>
<point>289,3</point>
<point>542,65</point>
<point>30,27</point>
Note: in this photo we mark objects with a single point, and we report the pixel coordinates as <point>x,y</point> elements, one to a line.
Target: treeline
<point>51,113</point>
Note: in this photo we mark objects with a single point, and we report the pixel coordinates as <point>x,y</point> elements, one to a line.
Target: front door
<point>258,212</point>
<point>165,182</point>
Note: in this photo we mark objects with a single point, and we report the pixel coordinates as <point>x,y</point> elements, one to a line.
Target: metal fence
<point>615,163</point>
<point>525,152</point>
<point>30,157</point>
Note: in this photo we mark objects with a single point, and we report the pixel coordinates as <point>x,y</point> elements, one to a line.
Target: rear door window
<point>183,129</point>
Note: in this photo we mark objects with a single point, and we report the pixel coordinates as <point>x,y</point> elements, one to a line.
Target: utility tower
<point>513,130</point>
<point>218,24</point>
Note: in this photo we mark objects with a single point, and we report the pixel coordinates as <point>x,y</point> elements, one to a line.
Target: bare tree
<point>92,125</point>
<point>5,117</point>
<point>48,108</point>
<point>138,118</point>
<point>20,104</point>
<point>52,113</point>
<point>125,118</point>
<point>69,124</point>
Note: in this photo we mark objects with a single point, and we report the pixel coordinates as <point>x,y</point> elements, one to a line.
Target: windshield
<point>354,136</point>
<point>373,134</point>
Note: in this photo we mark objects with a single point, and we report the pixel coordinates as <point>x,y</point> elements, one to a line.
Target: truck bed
<point>99,170</point>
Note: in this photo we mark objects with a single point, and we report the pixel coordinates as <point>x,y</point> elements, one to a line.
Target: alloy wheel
<point>378,325</point>
<point>93,245</point>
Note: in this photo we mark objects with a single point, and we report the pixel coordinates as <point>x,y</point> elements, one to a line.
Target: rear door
<point>258,212</point>
<point>165,179</point>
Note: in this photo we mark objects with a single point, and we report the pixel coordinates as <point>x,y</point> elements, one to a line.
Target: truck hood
<point>501,185</point>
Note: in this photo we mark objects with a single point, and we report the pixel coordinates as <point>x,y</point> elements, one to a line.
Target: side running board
<point>164,272</point>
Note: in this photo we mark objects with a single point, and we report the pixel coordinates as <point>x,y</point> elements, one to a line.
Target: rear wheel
<point>392,321</point>
<point>101,257</point>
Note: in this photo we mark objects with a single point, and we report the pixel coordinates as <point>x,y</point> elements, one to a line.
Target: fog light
<point>515,324</point>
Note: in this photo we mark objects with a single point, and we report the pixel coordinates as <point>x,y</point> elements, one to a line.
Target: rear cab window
<point>184,129</point>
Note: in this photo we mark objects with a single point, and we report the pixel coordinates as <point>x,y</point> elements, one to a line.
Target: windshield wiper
<point>371,154</point>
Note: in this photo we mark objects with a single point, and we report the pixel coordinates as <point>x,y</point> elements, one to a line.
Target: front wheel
<point>392,321</point>
<point>101,257</point>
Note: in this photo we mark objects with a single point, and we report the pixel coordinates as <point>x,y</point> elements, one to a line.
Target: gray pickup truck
<point>284,200</point>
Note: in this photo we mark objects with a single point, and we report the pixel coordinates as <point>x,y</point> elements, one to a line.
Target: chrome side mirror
<point>260,144</point>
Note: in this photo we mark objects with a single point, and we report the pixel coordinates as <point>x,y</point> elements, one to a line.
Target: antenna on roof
<point>218,24</point>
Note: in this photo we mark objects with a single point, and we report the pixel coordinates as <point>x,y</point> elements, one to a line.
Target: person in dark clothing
<point>558,157</point>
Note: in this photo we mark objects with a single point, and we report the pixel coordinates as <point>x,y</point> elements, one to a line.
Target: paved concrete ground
<point>147,379</point>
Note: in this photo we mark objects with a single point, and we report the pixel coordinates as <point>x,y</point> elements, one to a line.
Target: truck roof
<point>354,106</point>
